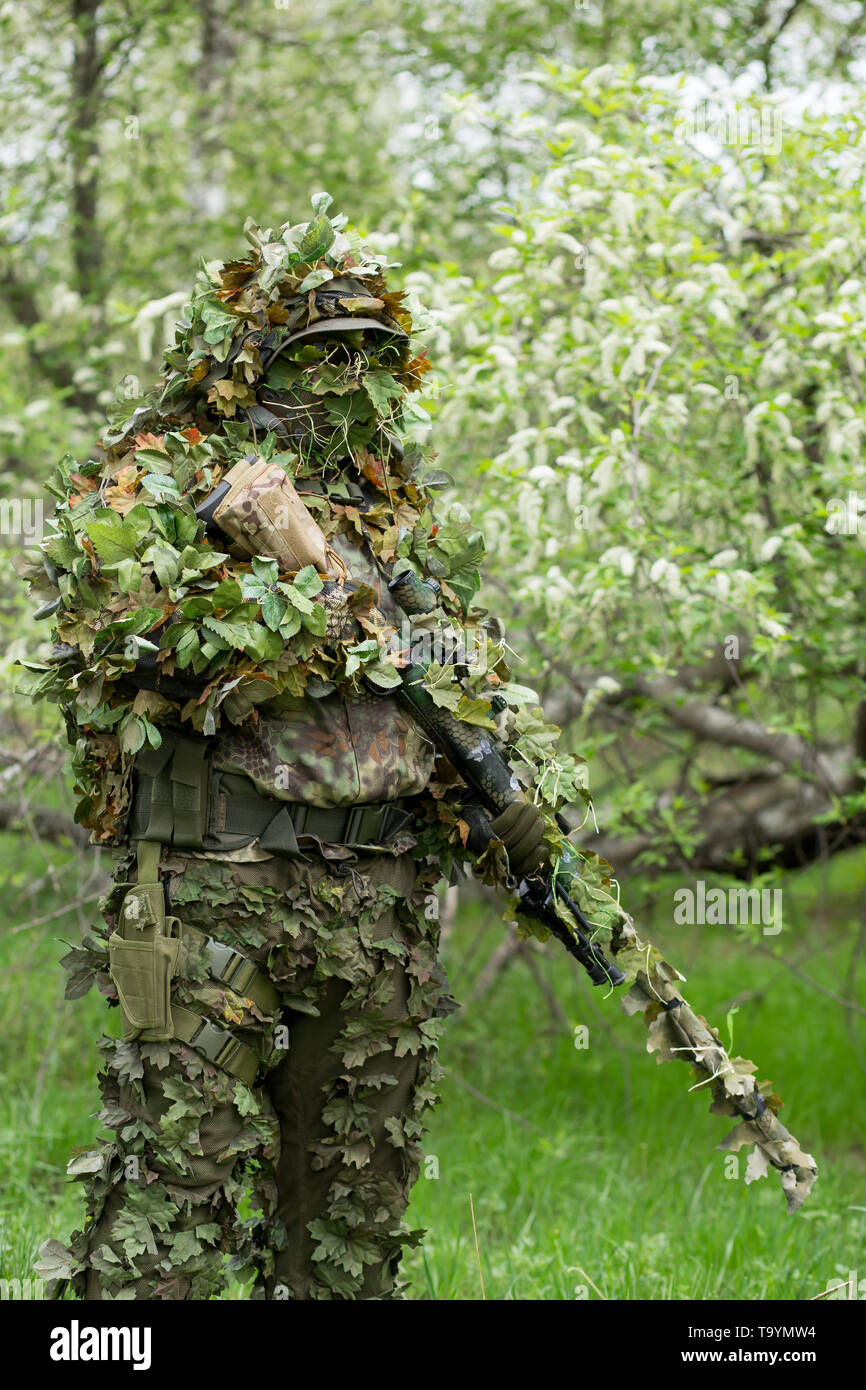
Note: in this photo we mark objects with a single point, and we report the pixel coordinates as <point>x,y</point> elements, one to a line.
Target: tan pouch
<point>142,956</point>
<point>264,515</point>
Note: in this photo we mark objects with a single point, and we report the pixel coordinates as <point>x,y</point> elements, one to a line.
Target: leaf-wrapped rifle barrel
<point>674,1029</point>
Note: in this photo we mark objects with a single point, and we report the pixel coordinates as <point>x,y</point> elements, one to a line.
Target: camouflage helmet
<point>330,301</point>
<point>339,306</point>
<point>343,303</point>
<point>245,345</point>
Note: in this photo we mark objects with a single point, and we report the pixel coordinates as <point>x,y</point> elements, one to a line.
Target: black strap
<point>354,491</point>
<point>268,421</point>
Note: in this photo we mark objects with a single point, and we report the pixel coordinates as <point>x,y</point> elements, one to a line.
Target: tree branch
<point>748,826</point>
<point>49,825</point>
<point>718,725</point>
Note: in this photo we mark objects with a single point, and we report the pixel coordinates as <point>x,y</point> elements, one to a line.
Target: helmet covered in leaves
<point>300,338</point>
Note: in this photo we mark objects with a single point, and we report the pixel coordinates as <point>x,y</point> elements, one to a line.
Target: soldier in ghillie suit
<point>227,652</point>
<point>230,575</point>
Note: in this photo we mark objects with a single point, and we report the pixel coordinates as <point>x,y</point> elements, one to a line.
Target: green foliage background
<point>646,322</point>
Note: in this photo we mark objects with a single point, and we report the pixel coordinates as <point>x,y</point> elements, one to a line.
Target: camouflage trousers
<point>300,1181</point>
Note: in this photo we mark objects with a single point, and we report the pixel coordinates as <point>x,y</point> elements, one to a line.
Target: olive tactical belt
<point>180,802</point>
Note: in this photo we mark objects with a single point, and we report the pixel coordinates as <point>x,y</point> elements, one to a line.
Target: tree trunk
<point>83,141</point>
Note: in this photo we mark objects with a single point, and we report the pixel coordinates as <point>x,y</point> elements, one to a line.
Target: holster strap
<point>236,970</point>
<point>228,966</point>
<point>217,1044</point>
<point>147,869</point>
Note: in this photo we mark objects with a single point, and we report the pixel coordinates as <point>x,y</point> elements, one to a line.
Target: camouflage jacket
<point>333,751</point>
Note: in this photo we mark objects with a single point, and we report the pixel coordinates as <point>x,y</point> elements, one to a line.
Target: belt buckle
<point>217,1044</point>
<point>242,975</point>
<point>231,967</point>
<point>220,958</point>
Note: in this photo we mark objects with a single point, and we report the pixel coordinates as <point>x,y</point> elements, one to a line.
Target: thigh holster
<point>143,958</point>
<point>142,954</point>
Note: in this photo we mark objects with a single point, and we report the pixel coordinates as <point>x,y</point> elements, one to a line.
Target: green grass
<point>617,1189</point>
<point>608,1184</point>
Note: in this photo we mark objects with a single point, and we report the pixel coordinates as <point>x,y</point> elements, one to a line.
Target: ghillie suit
<point>280,823</point>
<point>227,574</point>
